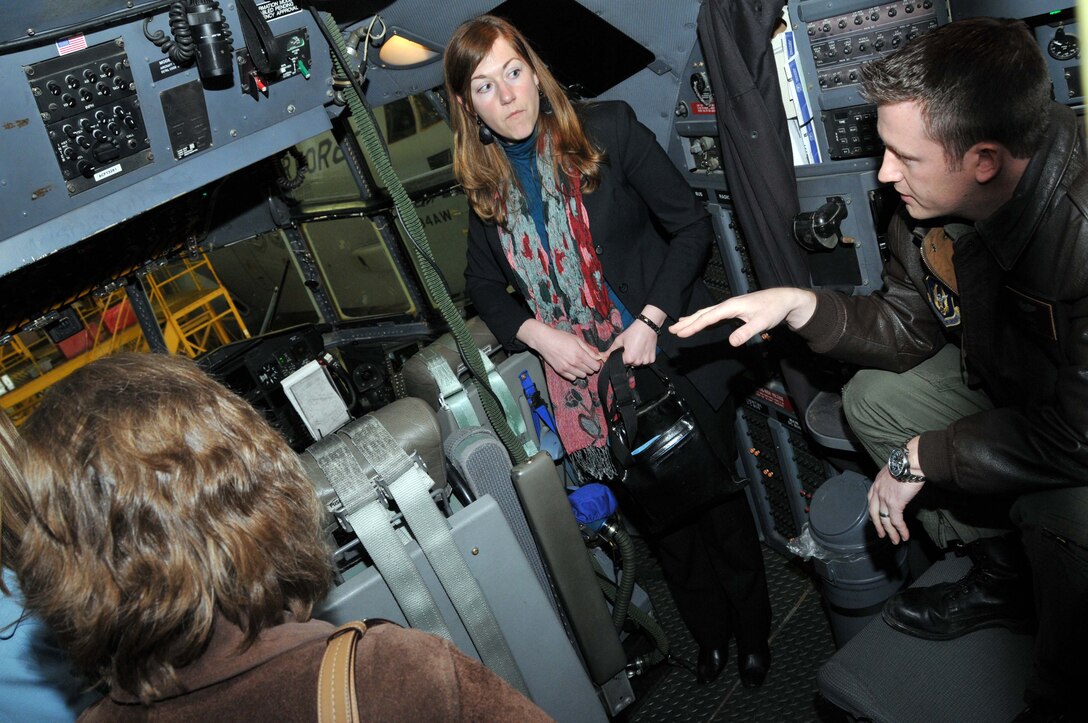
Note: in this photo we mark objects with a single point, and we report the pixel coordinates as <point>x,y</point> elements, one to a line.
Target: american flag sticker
<point>71,44</point>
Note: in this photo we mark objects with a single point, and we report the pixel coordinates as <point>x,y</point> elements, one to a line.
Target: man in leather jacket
<point>977,395</point>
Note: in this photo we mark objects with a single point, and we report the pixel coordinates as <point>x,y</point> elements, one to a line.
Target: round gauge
<point>1063,46</point>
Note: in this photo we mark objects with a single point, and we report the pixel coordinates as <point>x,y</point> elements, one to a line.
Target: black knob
<point>857,20</point>
<point>67,101</point>
<point>896,40</point>
<point>927,4</point>
<point>113,128</point>
<point>85,124</point>
<point>892,12</point>
<point>842,23</point>
<point>908,8</point>
<point>68,153</point>
<point>878,43</point>
<point>89,75</point>
<point>105,70</point>
<point>85,169</point>
<point>826,27</point>
<point>874,16</point>
<point>120,83</point>
<point>119,111</point>
<point>846,50</point>
<point>100,115</point>
<point>853,75</point>
<point>130,122</point>
<point>811,30</point>
<point>86,95</point>
<point>70,81</point>
<point>103,89</point>
<point>861,47</point>
<point>53,87</point>
<point>84,142</point>
<point>836,79</point>
<point>98,135</point>
<point>69,130</point>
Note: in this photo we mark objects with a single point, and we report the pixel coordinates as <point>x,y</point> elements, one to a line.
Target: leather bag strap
<point>336,695</point>
<point>622,409</point>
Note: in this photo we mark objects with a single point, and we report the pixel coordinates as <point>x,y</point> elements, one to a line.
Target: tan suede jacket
<point>401,675</point>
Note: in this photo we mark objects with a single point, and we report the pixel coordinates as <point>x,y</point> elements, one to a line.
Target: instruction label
<point>272,9</point>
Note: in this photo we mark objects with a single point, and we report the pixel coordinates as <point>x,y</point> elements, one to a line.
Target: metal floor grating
<point>800,642</point>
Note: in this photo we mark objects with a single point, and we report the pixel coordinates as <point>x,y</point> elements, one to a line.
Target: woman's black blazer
<point>653,238</point>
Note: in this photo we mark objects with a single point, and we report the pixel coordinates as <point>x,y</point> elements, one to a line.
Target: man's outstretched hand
<point>759,311</point>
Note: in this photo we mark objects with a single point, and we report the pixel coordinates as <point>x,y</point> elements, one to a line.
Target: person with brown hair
<point>35,679</point>
<point>578,209</point>
<point>975,402</point>
<point>174,545</point>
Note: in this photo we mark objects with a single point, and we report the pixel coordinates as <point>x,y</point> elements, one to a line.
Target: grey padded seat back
<point>462,577</point>
<point>418,380</point>
<point>886,676</point>
<point>482,462</point>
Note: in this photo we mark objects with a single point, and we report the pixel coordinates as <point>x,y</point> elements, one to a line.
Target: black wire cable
<point>181,48</point>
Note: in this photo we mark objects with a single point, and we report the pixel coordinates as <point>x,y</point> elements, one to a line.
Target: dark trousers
<point>885,408</point>
<point>714,569</point>
<point>714,564</point>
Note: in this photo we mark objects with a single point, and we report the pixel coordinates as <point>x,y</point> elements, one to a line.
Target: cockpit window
<point>400,121</point>
<point>420,148</point>
<point>358,270</point>
<point>365,280</point>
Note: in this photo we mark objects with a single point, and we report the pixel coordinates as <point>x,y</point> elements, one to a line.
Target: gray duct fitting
<point>858,570</point>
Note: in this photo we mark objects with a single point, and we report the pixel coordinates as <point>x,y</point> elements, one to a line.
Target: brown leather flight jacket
<point>1023,303</point>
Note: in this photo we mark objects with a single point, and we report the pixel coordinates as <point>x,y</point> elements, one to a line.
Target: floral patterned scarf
<point>566,290</point>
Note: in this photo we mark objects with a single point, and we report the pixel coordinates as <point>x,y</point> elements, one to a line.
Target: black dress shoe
<point>753,668</point>
<point>995,592</point>
<point>711,663</point>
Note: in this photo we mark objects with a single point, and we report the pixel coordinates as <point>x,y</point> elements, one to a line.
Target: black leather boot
<point>996,591</point>
<point>711,662</point>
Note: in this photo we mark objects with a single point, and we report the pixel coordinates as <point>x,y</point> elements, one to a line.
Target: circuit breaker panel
<point>834,40</point>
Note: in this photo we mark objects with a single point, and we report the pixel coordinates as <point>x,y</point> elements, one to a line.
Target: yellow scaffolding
<point>194,311</point>
<point>194,308</point>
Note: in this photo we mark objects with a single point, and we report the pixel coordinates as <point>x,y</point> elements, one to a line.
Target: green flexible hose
<point>365,129</point>
<point>638,615</point>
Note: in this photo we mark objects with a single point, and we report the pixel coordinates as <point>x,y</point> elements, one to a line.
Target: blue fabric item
<point>522,155</point>
<point>592,503</point>
<point>35,682</point>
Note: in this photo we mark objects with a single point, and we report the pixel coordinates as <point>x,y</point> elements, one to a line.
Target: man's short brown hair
<point>980,79</point>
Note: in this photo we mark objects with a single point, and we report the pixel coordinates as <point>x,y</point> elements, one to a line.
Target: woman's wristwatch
<point>899,466</point>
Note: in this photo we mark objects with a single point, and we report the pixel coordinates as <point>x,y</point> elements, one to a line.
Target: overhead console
<point>114,107</point>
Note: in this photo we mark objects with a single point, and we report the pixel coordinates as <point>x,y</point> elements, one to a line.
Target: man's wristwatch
<point>899,466</point>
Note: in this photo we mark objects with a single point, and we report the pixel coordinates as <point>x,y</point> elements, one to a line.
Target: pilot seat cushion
<point>884,675</point>
<point>418,380</point>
